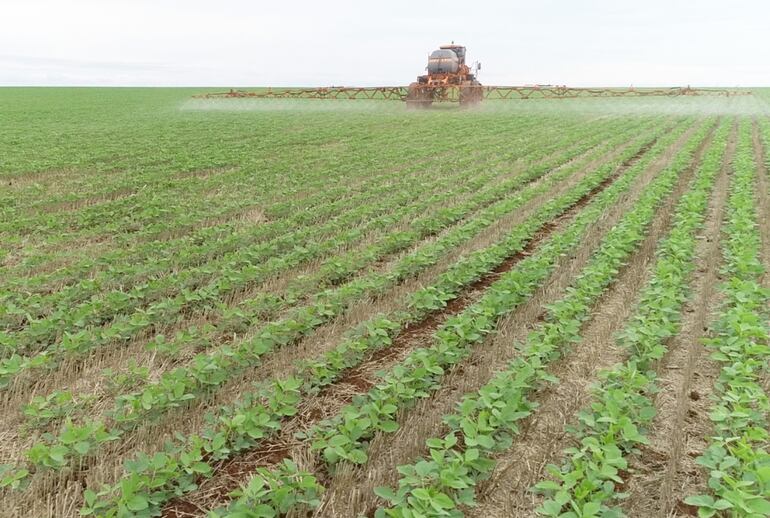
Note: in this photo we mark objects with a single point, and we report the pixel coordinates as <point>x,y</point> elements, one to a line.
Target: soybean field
<point>266,308</point>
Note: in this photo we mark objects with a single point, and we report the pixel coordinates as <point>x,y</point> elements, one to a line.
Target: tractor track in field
<point>44,177</point>
<point>358,380</point>
<point>763,199</point>
<point>665,471</point>
<point>86,201</point>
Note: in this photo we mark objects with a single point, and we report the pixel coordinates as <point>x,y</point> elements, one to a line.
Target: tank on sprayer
<point>448,79</point>
<point>443,61</point>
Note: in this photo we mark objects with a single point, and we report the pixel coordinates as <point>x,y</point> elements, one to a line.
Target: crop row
<point>456,335</point>
<point>62,302</point>
<point>613,426</point>
<point>737,457</point>
<point>485,422</point>
<point>339,268</point>
<point>306,209</point>
<point>242,426</point>
<point>169,193</point>
<point>329,203</point>
<point>127,411</point>
<point>209,371</point>
<point>375,282</point>
<point>321,201</point>
<point>180,252</point>
<point>231,276</point>
<point>345,436</point>
<point>317,163</point>
<point>105,307</point>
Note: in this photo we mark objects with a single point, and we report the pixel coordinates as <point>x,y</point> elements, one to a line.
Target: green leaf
<point>591,509</point>
<point>442,501</point>
<point>82,447</point>
<point>358,457</point>
<point>550,508</point>
<point>722,504</point>
<point>339,440</point>
<point>388,426</point>
<point>700,500</point>
<point>548,485</point>
<point>423,468</point>
<point>385,492</point>
<point>137,503</point>
<point>89,496</point>
<point>759,505</point>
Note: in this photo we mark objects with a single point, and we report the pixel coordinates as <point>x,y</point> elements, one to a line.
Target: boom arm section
<point>452,92</point>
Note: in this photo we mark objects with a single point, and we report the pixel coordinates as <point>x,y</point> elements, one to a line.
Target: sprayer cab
<point>448,79</point>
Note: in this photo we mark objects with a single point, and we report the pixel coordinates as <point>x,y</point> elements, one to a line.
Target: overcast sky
<point>372,42</point>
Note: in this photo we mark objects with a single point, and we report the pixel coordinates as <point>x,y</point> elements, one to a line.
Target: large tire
<point>418,96</point>
<point>471,93</point>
